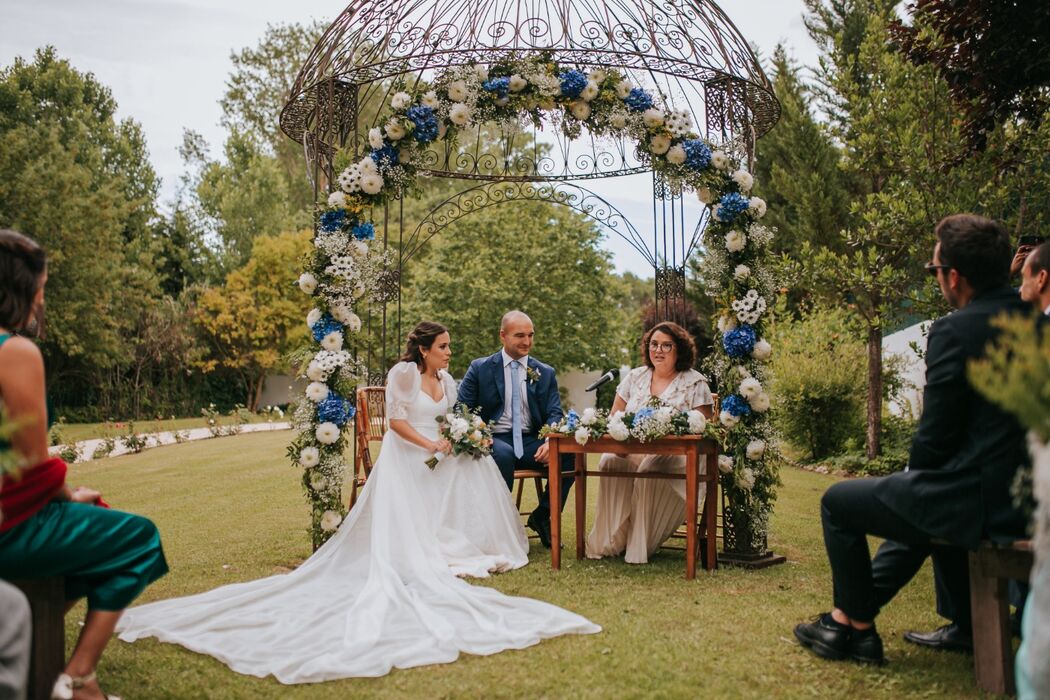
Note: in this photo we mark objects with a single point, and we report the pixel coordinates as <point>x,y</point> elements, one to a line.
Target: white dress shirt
<point>503,423</point>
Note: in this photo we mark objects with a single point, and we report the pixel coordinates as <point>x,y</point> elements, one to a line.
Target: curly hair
<point>22,264</point>
<point>685,348</point>
<point>421,338</point>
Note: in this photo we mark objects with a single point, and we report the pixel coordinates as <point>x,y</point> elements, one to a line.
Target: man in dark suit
<point>517,395</point>
<point>963,458</point>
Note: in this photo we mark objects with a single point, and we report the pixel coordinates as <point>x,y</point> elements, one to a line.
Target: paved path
<point>87,447</point>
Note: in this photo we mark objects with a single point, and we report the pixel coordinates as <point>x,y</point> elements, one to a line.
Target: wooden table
<point>689,446</point>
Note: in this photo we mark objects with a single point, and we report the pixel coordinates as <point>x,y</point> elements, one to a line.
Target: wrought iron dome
<point>688,52</point>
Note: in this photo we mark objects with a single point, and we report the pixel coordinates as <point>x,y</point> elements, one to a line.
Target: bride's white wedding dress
<point>383,592</point>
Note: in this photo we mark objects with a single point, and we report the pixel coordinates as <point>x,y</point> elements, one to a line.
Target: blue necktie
<point>515,408</point>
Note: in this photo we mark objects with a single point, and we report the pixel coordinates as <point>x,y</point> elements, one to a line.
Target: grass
<point>231,510</point>
<point>75,432</point>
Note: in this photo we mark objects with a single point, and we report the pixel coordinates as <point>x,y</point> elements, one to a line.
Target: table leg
<point>692,469</point>
<point>711,512</point>
<point>581,503</point>
<point>554,486</point>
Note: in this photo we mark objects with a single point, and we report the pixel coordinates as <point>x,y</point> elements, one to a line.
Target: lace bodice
<point>687,390</point>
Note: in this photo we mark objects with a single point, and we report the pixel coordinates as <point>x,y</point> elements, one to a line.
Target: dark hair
<point>421,337</point>
<point>1039,258</point>
<point>685,348</point>
<point>977,248</point>
<point>22,262</point>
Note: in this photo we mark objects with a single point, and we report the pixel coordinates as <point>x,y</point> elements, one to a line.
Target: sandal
<point>66,684</point>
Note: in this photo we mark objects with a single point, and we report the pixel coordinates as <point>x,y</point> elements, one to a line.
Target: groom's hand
<point>542,454</point>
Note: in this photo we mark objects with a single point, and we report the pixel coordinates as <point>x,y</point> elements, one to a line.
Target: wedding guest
<point>963,457</point>
<point>15,636</point>
<point>1035,278</point>
<point>635,516</point>
<point>49,529</point>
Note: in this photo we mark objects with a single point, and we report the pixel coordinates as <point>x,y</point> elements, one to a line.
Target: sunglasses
<point>933,268</point>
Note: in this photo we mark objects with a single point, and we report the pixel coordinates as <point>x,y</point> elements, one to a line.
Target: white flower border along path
<point>345,266</point>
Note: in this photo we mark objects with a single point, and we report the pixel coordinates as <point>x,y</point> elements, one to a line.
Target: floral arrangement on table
<point>535,89</point>
<point>466,432</point>
<point>651,422</point>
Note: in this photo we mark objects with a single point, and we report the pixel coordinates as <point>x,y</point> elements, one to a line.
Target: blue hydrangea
<point>643,413</point>
<point>335,409</point>
<point>500,86</point>
<point>697,154</point>
<point>325,325</point>
<point>333,220</point>
<point>385,157</point>
<point>572,421</point>
<point>731,206</point>
<point>739,342</point>
<point>426,123</point>
<point>736,405</point>
<point>639,100</point>
<point>364,231</point>
<point>572,83</point>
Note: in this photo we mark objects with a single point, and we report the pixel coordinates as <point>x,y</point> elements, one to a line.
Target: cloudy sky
<point>166,62</point>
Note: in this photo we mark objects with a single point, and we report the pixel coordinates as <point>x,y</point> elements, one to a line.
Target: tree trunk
<point>874,391</point>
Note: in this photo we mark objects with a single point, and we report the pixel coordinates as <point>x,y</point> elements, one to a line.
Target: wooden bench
<point>992,566</point>
<point>47,600</point>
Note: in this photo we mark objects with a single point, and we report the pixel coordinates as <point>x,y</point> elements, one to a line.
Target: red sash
<point>22,498</point>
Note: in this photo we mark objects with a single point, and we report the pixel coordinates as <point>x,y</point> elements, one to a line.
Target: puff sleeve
<point>403,382</point>
<point>698,393</point>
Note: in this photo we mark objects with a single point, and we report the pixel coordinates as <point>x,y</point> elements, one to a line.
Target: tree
<point>258,316</point>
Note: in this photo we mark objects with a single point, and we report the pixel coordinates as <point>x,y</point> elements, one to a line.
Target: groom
<point>517,395</point>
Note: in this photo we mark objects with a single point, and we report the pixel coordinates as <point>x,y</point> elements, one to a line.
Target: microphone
<point>607,377</point>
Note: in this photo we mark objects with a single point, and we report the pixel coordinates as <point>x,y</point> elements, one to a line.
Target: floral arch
<point>398,90</point>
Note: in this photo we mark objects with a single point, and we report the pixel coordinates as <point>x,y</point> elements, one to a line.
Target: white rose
<point>581,110</point>
<point>517,83</point>
<point>760,404</point>
<point>583,435</point>
<point>705,195</point>
<point>372,183</point>
<point>757,206</point>
<point>659,144</point>
<point>735,240</point>
<point>589,416</point>
<point>697,422</point>
<point>327,433</point>
<point>337,199</point>
<point>744,180</point>
<point>482,72</point>
<point>375,137</point>
<point>333,342</point>
<point>394,130</point>
<point>618,429</point>
<point>313,317</point>
<point>400,100</point>
<point>728,419</point>
<point>653,117</point>
<point>597,75</point>
<point>330,520</point>
<point>719,160</point>
<point>623,88</point>
<point>676,155</point>
<point>309,457</point>
<point>725,464</point>
<point>315,371</point>
<point>755,449</point>
<point>750,388</point>
<point>307,283</point>
<point>618,120</point>
<point>431,100</point>
<point>317,391</point>
<point>746,480</point>
<point>762,350</point>
<point>459,114</point>
<point>741,273</point>
<point>457,91</point>
<point>590,91</point>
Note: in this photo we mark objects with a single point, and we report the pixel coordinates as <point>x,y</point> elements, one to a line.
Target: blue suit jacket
<point>483,388</point>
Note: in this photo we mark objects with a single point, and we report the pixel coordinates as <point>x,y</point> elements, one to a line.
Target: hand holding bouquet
<point>465,432</point>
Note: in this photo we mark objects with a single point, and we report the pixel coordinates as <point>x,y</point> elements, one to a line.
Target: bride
<point>384,591</point>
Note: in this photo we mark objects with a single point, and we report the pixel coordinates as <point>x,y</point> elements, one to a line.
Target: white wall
<point>914,373</point>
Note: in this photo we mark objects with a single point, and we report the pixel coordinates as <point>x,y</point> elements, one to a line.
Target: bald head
<point>516,333</point>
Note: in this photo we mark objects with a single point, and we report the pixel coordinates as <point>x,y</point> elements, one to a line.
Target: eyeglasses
<point>932,268</point>
<point>662,347</point>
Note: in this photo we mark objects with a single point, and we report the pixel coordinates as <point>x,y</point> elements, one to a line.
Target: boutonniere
<point>532,375</point>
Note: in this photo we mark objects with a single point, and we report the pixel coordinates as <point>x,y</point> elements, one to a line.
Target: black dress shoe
<point>950,637</point>
<point>541,523</point>
<point>824,637</point>
<point>865,646</point>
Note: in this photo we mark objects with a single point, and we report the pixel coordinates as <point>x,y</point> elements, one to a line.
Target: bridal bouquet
<point>466,432</point>
<point>653,421</point>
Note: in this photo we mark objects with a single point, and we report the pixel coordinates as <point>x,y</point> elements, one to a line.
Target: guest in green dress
<point>46,528</point>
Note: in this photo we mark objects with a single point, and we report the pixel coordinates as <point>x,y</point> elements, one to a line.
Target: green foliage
<point>132,441</point>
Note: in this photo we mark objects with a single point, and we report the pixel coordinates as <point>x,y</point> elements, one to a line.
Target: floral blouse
<point>687,390</point>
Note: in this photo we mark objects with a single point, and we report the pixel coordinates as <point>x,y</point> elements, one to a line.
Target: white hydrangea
<point>457,91</point>
<point>697,422</point>
<point>581,110</point>
<point>313,317</point>
<point>330,521</point>
<point>725,464</point>
<point>617,428</point>
<point>589,416</point>
<point>750,388</point>
<point>756,449</point>
<point>317,391</point>
<point>623,88</point>
<point>653,117</point>
<point>400,100</point>
<point>760,235</point>
<point>735,241</point>
<point>332,342</point>
<point>660,144</point>
<point>760,404</point>
<point>307,283</point>
<point>741,273</point>
<point>327,433</point>
<point>705,195</point>
<point>394,130</point>
<point>517,83</point>
<point>676,155</point>
<point>719,160</point>
<point>744,180</point>
<point>757,206</point>
<point>372,183</point>
<point>583,435</point>
<point>337,199</point>
<point>547,85</point>
<point>728,420</point>
<point>762,350</point>
<point>459,114</point>
<point>590,91</point>
<point>332,242</point>
<point>746,480</point>
<point>309,457</point>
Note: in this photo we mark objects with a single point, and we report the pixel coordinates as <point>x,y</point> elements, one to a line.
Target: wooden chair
<point>47,601</point>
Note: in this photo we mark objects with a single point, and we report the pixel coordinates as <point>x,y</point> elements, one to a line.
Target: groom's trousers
<point>503,453</point>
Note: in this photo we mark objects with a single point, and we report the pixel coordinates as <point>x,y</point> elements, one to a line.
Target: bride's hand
<point>442,446</point>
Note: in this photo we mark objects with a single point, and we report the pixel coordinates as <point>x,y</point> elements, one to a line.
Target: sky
<point>166,62</point>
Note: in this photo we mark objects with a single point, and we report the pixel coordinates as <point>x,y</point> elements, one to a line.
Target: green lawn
<point>231,510</point>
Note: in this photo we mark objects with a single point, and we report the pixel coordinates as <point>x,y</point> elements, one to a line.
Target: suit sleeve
<point>468,388</point>
<point>946,399</point>
<point>554,412</point>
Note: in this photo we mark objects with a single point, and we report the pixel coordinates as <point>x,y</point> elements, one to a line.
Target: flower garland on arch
<point>345,267</point>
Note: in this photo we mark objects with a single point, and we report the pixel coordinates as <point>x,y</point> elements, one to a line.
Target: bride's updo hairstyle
<point>420,339</point>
